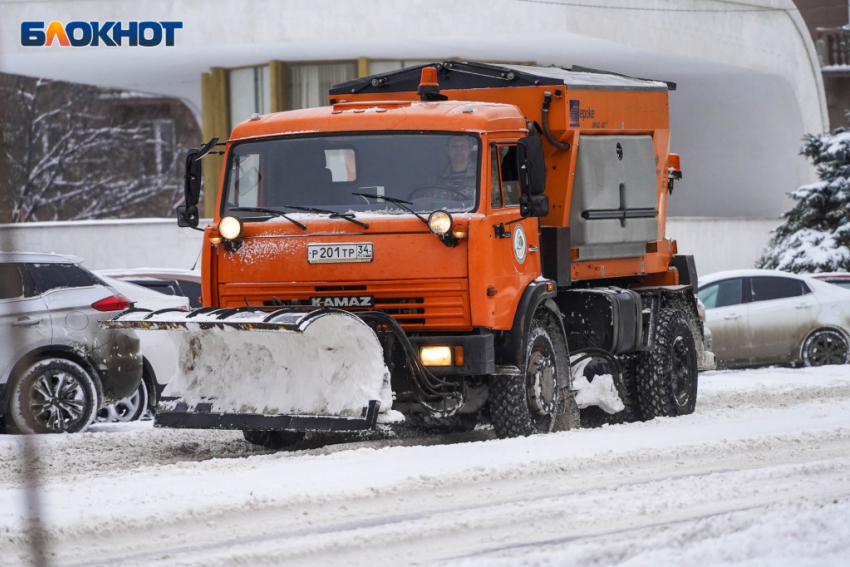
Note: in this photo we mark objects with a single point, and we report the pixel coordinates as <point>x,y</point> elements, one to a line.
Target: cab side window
<point>504,176</point>
<point>722,294</point>
<point>495,179</point>
<point>769,288</point>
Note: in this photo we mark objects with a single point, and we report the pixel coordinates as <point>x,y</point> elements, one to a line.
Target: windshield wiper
<point>402,204</point>
<point>332,214</point>
<point>271,212</point>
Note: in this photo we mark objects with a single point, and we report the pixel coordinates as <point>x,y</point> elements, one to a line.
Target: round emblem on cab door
<point>520,244</point>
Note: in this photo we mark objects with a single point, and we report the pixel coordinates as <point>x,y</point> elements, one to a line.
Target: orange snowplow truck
<point>491,227</point>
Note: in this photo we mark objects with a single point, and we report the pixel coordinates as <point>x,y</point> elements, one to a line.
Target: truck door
<point>517,261</point>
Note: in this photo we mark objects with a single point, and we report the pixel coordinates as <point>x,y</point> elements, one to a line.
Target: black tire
<point>54,395</point>
<point>534,401</point>
<point>825,347</point>
<point>273,439</point>
<point>666,384</point>
<point>594,416</point>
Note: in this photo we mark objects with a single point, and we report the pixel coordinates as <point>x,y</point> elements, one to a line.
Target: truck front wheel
<point>533,402</point>
<point>667,371</point>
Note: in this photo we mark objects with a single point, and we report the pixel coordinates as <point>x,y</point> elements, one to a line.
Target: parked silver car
<point>57,366</point>
<point>768,317</point>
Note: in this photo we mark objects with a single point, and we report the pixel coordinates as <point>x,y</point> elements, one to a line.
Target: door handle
<point>803,306</point>
<point>25,322</point>
<point>732,317</point>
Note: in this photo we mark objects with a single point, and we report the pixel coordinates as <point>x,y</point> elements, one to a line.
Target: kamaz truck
<point>441,243</point>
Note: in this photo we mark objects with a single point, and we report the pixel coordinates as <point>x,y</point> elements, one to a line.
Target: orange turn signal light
<point>215,240</point>
<point>458,356</point>
<point>459,231</point>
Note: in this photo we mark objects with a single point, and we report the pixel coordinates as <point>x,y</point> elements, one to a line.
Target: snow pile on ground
<point>335,367</point>
<point>600,392</point>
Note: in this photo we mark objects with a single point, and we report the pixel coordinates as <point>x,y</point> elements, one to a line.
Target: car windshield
<point>431,171</point>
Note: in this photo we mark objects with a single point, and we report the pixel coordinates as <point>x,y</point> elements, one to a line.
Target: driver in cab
<point>461,172</point>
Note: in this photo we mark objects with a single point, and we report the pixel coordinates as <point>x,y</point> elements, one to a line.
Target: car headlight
<point>440,222</point>
<point>230,228</point>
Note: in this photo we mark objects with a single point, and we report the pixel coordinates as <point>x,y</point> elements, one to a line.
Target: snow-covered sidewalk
<point>766,457</point>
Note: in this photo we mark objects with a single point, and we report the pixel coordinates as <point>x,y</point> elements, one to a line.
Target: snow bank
<point>335,367</point>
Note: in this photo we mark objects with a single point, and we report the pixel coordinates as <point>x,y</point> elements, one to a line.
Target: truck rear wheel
<point>667,372</point>
<point>534,402</point>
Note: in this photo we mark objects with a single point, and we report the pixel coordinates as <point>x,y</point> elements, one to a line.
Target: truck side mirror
<point>187,215</point>
<point>534,205</point>
<point>532,166</point>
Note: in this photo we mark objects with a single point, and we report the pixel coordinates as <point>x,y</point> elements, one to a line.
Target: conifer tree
<point>815,236</point>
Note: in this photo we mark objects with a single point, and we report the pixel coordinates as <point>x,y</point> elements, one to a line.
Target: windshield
<point>432,171</point>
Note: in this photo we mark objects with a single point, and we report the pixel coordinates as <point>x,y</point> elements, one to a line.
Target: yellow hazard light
<point>436,355</point>
<point>459,231</point>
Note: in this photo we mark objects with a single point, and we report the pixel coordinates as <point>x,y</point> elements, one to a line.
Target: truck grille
<point>416,305</point>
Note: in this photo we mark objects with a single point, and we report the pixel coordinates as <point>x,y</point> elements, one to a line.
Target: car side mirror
<point>532,166</point>
<point>187,215</point>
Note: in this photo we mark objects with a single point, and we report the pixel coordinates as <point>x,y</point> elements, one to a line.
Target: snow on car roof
<point>38,258</point>
<point>750,272</point>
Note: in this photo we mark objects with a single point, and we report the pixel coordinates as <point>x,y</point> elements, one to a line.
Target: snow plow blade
<point>254,369</point>
<point>181,418</point>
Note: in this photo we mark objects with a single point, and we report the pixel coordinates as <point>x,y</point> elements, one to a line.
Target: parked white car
<point>158,352</point>
<point>168,281</point>
<point>769,317</point>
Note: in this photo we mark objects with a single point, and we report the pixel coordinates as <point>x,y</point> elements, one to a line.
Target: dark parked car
<point>57,365</point>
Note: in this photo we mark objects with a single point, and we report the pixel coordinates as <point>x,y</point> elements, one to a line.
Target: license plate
<point>334,253</point>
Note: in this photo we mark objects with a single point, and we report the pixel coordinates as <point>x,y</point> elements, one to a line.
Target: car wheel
<point>129,409</point>
<point>825,347</point>
<point>53,395</point>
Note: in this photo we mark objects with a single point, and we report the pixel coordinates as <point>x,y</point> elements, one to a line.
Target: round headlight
<point>230,228</point>
<point>440,222</point>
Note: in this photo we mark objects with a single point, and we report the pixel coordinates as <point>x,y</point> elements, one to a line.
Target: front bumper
<point>178,416</point>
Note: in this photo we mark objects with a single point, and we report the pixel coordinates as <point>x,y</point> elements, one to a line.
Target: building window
<point>308,85</point>
<point>250,92</point>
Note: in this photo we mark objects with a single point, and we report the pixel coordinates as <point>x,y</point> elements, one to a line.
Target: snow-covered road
<point>759,475</point>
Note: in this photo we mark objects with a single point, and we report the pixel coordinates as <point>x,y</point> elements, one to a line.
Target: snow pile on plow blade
<point>285,363</point>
